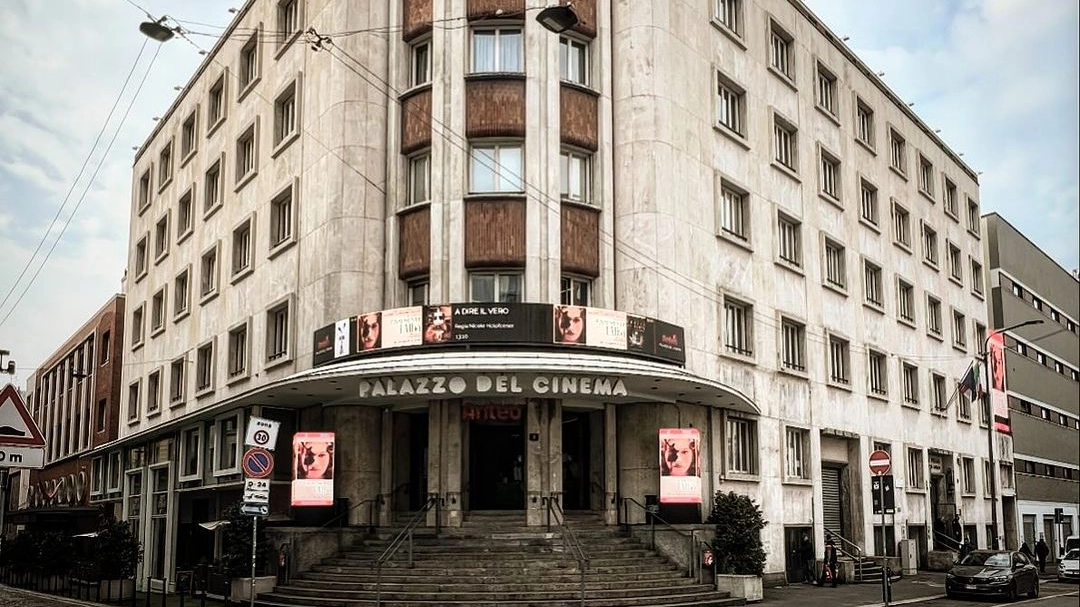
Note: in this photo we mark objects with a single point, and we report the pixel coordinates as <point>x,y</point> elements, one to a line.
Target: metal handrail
<point>373,502</point>
<point>948,540</point>
<point>652,518</point>
<point>404,535</point>
<point>858,549</point>
<point>570,539</point>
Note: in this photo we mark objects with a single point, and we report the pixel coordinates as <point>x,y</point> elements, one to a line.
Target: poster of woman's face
<point>678,457</point>
<point>570,324</point>
<point>313,469</point>
<point>369,326</point>
<point>315,459</point>
<point>680,466</point>
<point>997,362</point>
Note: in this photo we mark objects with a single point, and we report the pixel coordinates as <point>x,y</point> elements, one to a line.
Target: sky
<point>998,77</point>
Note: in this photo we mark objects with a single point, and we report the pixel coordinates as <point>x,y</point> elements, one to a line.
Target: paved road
<point>925,589</point>
<point>13,597</point>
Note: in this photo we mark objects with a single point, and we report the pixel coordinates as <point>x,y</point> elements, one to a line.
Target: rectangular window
<point>417,293</point>
<point>868,202</point>
<point>277,332</point>
<point>177,380</point>
<point>144,190</point>
<point>835,264</point>
<point>933,315</point>
<point>781,47</point>
<point>864,123</point>
<point>959,330</point>
<point>105,351</point>
<point>973,216</point>
<point>182,294</point>
<point>497,50</point>
<point>901,225</point>
<point>101,415</point>
<point>215,104</point>
<point>190,453</point>
<point>165,165</point>
<point>153,392</point>
<point>238,351</point>
<point>956,263</point>
<point>281,218</point>
<point>741,446</point>
<point>212,188</point>
<point>839,362</point>
<point>730,105</point>
<point>574,291</point>
<point>789,239</point>
<point>830,175</point>
<point>967,469</point>
<point>949,199</point>
<point>938,395</point>
<point>246,162</point>
<point>288,19</point>
<point>137,326</point>
<point>797,453</point>
<point>785,139</point>
<point>249,62</point>
<point>285,124</point>
<point>208,272</point>
<point>497,287</point>
<point>140,257</point>
<point>185,221</point>
<point>734,216</point>
<point>161,237</point>
<point>976,276</point>
<point>926,176</point>
<point>987,477</point>
<point>930,245</point>
<point>905,301</point>
<point>204,367</point>
<point>419,179</point>
<point>241,248</point>
<point>915,468</point>
<point>495,168</point>
<point>911,384</point>
<point>826,90</point>
<point>878,373</point>
<point>157,311</point>
<point>133,401</point>
<point>793,345</point>
<point>228,445</point>
<point>964,406</point>
<point>189,134</point>
<point>574,176</point>
<point>875,289</point>
<point>897,152</point>
<point>738,327</point>
<point>420,60</point>
<point>574,61</point>
<point>1007,476</point>
<point>728,14</point>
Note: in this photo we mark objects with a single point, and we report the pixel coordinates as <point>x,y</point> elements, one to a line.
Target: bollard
<point>164,588</point>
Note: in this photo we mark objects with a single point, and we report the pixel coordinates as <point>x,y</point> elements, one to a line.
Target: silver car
<point>1069,566</point>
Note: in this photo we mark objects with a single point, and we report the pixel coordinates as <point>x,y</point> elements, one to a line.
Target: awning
<point>90,534</point>
<point>213,525</point>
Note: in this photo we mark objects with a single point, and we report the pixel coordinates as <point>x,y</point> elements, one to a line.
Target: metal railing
<point>950,542</point>
<point>694,567</point>
<point>405,536</point>
<point>373,503</point>
<point>857,555</point>
<point>570,539</point>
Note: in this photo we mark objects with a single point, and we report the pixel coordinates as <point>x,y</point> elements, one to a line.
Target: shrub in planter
<point>20,553</point>
<point>236,545</point>
<point>117,551</point>
<point>55,553</point>
<point>737,547</point>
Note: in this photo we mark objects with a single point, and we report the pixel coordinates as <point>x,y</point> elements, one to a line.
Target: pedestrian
<point>828,565</point>
<point>965,548</point>
<point>957,529</point>
<point>1026,550</point>
<point>806,553</point>
<point>1041,551</point>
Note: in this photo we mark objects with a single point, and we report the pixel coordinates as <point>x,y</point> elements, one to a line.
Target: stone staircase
<point>495,560</point>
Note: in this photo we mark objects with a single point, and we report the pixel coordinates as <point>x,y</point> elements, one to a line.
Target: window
<point>153,392</point>
<point>420,62</point>
<point>987,477</point>
<point>249,63</point>
<point>228,445</point>
<point>897,152</point>
<point>204,367</point>
<point>729,15</point>
<point>926,176</point>
<point>574,61</point>
<point>419,179</point>
<point>189,135</point>
<point>826,90</point>
<point>830,175</point>
<point>949,199</point>
<point>738,327</point>
<point>144,190</point>
<point>285,106</point>
<point>190,453</point>
<point>185,222</point>
<point>956,264</point>
<point>208,273</point>
<point>137,326</point>
<point>182,294</point>
<point>161,238</point>
<point>793,345</point>
<point>495,168</point>
<point>875,289</point>
<point>238,351</point>
<point>901,226</point>
<point>288,20</point>
<point>864,123</point>
<point>789,240</point>
<point>839,361</point>
<point>500,287</point>
<point>574,291</point>
<point>973,216</point>
<point>938,396</point>
<point>177,380</point>
<point>215,104</point>
<point>930,245</point>
<point>241,248</point>
<point>140,257</point>
<point>796,453</point>
<point>417,293</point>
<point>212,189</point>
<point>574,176</point>
<point>741,445</point>
<point>246,161</point>
<point>933,315</point>
<point>497,50</point>
<point>868,202</point>
<point>911,384</point>
<point>785,139</point>
<point>781,47</point>
<point>905,300</point>
<point>734,212</point>
<point>1007,476</point>
<point>963,410</point>
<point>915,468</point>
<point>730,105</point>
<point>157,312</point>
<point>133,401</point>
<point>165,165</point>
<point>281,218</point>
<point>967,471</point>
<point>835,264</point>
<point>277,332</point>
<point>877,371</point>
<point>106,348</point>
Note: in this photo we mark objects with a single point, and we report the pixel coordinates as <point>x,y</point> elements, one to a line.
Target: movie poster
<point>999,400</point>
<point>680,466</point>
<point>313,469</point>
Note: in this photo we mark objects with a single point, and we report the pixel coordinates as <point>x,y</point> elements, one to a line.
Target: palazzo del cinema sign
<point>512,384</point>
<point>447,326</point>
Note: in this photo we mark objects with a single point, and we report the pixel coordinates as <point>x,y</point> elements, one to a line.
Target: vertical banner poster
<point>999,401</point>
<point>313,469</point>
<point>680,466</point>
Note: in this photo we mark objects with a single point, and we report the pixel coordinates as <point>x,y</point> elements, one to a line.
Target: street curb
<point>918,599</point>
<point>50,597</point>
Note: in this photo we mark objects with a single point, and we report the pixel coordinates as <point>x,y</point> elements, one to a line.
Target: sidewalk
<point>923,586</point>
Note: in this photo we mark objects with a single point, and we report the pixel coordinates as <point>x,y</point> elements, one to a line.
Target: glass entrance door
<point>496,466</point>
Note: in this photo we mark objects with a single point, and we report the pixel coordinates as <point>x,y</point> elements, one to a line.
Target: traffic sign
<point>262,433</point>
<point>256,484</point>
<point>883,493</point>
<point>880,462</point>
<point>254,509</point>
<point>17,427</point>
<point>256,497</point>
<point>257,463</point>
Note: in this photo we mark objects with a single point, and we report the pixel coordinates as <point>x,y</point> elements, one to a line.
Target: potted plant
<point>738,553</point>
<point>236,555</point>
<point>19,556</point>
<point>117,553</point>
<point>55,559</point>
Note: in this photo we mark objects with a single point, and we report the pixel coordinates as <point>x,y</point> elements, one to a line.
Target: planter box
<point>746,587</point>
<point>117,590</point>
<point>241,587</point>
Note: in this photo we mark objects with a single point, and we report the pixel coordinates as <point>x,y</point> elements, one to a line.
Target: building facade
<point>799,254</point>
<point>1043,374</point>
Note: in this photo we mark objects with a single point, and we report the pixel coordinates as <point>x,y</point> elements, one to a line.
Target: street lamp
<point>990,424</point>
<point>156,30</point>
<point>558,18</point>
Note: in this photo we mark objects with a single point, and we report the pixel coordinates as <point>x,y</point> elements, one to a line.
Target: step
<point>532,594</point>
<point>653,575</point>
<point>694,599</point>
<point>492,584</point>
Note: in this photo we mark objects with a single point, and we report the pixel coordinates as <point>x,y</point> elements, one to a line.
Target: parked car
<point>1069,566</point>
<point>993,572</point>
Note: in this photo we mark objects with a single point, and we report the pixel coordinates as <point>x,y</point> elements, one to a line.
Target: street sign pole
<point>254,539</point>
<point>884,551</point>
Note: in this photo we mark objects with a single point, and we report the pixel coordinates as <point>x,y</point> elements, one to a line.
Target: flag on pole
<point>972,380</point>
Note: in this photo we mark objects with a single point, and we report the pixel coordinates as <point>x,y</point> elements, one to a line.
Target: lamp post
<point>990,424</point>
<point>558,18</point>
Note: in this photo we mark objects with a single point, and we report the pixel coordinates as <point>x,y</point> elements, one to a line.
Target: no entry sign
<point>880,462</point>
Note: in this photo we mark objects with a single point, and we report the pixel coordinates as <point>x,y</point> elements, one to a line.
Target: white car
<point>1069,566</point>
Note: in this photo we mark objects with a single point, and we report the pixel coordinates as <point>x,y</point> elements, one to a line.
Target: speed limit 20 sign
<point>262,433</point>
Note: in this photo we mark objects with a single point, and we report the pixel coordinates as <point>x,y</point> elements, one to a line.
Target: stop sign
<point>880,462</point>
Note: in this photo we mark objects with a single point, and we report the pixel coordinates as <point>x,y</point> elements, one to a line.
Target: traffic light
<point>1059,516</point>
